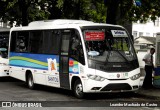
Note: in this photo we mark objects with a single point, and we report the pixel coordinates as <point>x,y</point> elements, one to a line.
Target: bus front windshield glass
<point>108,45</point>
<point>4,39</point>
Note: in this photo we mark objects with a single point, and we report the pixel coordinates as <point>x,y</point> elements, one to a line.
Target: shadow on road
<point>8,79</point>
<point>90,96</point>
<point>69,93</point>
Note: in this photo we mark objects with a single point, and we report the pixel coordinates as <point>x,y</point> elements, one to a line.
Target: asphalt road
<point>18,95</point>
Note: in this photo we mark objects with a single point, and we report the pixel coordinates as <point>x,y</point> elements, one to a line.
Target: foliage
<point>128,11</point>
<point>116,11</point>
<point>149,10</point>
<point>23,11</point>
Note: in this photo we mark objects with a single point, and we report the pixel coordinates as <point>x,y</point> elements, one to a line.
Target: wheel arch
<point>74,78</point>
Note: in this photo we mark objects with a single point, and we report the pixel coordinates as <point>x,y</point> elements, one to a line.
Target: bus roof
<point>60,23</point>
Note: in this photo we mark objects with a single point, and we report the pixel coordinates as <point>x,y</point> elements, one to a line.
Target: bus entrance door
<point>64,60</point>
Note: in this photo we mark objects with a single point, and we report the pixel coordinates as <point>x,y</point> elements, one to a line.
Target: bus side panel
<point>39,77</point>
<point>43,67</point>
<point>20,74</point>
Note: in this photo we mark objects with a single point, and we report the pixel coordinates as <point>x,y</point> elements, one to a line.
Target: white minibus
<point>78,55</point>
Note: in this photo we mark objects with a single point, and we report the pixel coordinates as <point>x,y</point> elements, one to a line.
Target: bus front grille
<point>117,87</point>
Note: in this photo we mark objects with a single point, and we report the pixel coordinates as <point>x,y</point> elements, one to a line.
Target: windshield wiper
<point>108,55</point>
<point>109,52</point>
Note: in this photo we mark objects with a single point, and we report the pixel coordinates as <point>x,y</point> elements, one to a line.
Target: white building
<point>146,29</point>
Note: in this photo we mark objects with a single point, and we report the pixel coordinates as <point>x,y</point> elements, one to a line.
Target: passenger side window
<point>76,48</point>
<point>36,40</point>
<point>22,41</point>
<point>51,41</point>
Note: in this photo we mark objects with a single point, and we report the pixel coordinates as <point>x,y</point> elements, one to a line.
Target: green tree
<point>84,9</point>
<point>112,11</point>
<point>148,10</point>
<point>55,9</point>
<point>3,5</point>
<point>120,11</point>
<point>23,11</point>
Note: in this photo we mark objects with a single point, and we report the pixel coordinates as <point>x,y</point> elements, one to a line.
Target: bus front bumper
<point>92,86</point>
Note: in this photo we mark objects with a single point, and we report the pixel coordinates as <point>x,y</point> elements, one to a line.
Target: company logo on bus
<point>118,75</point>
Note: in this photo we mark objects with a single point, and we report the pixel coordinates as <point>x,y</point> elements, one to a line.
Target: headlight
<point>95,77</point>
<point>135,76</point>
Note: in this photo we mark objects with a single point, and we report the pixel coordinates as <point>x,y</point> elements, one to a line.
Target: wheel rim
<point>79,90</point>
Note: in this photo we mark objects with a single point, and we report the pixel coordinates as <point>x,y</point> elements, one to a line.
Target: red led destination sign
<point>94,35</point>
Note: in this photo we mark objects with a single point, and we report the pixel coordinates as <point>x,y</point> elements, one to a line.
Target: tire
<point>78,89</point>
<point>30,81</point>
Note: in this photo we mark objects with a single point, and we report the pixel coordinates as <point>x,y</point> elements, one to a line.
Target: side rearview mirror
<point>3,49</point>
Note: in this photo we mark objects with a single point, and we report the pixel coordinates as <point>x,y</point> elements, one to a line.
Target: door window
<point>76,48</point>
<point>65,42</point>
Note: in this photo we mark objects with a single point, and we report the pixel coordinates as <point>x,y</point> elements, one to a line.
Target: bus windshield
<point>108,45</point>
<point>4,39</point>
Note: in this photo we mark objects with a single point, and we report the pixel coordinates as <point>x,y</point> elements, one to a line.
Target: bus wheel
<point>78,89</point>
<point>30,81</point>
